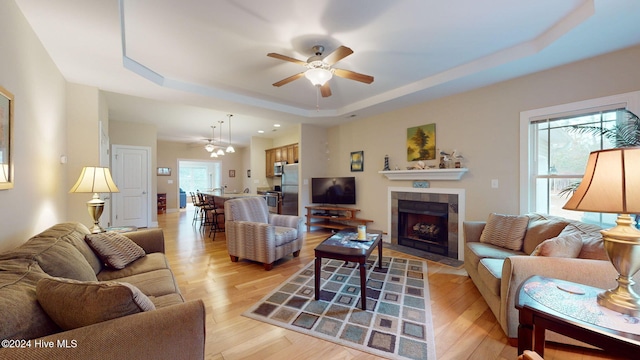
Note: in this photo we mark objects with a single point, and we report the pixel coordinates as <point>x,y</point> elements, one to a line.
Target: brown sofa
<point>175,329</point>
<point>498,272</point>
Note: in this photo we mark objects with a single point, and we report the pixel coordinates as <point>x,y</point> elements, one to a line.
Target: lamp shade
<point>611,183</point>
<point>318,76</point>
<point>94,180</point>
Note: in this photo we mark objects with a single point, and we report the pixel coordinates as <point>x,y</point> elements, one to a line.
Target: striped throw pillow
<point>114,249</point>
<point>506,231</point>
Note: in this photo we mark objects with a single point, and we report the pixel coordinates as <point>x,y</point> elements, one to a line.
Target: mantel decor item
<point>6,139</point>
<point>95,180</point>
<point>611,184</point>
<point>357,161</point>
<point>421,143</point>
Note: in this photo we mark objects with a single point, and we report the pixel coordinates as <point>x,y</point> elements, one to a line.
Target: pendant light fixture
<point>230,148</point>
<point>210,145</point>
<point>220,152</point>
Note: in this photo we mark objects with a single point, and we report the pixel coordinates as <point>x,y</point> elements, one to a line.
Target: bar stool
<point>218,217</point>
<point>196,203</point>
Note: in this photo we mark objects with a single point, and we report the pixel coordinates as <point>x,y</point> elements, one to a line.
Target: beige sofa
<point>498,272</point>
<point>175,329</point>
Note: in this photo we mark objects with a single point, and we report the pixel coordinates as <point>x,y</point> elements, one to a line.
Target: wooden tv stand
<point>333,217</point>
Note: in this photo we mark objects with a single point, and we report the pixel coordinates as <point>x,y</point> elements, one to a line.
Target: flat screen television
<point>333,190</point>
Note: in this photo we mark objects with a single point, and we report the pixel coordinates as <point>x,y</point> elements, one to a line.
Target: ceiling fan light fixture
<point>209,147</point>
<point>318,76</point>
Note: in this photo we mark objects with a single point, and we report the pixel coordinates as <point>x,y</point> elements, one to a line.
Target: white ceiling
<point>183,65</point>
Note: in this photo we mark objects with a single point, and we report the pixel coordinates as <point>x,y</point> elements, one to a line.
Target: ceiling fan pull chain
<point>317,98</point>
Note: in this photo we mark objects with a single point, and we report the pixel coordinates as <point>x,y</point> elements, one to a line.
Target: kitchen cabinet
<point>288,153</point>
<point>270,160</point>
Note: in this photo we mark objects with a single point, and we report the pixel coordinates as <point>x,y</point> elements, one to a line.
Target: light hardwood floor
<point>464,326</point>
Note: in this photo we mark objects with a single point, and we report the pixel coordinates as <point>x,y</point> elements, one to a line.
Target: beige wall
<point>314,156</point>
<point>169,153</point>
<point>482,124</point>
<point>83,121</point>
<point>258,160</point>
<point>39,197</point>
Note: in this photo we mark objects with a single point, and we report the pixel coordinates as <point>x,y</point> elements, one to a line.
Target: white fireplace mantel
<point>427,174</point>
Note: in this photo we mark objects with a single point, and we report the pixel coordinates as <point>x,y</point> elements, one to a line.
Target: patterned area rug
<point>398,327</point>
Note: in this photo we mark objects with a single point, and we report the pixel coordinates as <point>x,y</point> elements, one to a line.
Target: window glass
<point>199,176</point>
<point>561,147</point>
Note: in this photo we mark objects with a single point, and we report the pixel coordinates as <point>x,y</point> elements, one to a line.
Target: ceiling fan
<point>319,70</point>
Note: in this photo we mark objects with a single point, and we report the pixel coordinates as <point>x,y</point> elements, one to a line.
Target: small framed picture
<point>164,171</point>
<point>232,173</point>
<point>357,161</point>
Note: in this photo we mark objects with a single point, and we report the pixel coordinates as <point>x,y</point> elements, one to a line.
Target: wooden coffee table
<point>340,246</point>
<point>536,317</point>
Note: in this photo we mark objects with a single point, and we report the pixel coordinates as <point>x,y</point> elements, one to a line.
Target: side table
<point>569,309</point>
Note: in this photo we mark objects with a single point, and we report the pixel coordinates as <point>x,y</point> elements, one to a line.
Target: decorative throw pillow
<point>72,304</point>
<point>540,230</point>
<point>116,250</point>
<point>506,231</point>
<point>562,246</point>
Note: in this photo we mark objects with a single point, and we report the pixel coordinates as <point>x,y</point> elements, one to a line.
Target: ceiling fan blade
<point>325,90</point>
<point>337,55</point>
<point>287,58</point>
<point>352,75</point>
<point>289,79</point>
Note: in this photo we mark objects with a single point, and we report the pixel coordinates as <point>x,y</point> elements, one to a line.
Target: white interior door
<point>130,165</point>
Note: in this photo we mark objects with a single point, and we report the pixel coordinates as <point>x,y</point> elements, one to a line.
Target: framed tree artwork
<point>357,161</point>
<point>421,143</point>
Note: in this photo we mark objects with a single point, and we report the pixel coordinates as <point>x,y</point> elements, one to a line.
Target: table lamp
<point>611,184</point>
<point>95,180</point>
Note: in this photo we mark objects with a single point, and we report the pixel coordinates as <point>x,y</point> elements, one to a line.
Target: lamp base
<point>621,299</point>
<point>622,244</point>
<point>95,207</point>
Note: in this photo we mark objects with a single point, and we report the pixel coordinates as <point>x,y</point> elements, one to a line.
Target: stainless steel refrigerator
<point>290,189</point>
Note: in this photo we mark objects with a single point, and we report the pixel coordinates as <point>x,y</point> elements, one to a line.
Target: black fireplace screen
<point>423,225</point>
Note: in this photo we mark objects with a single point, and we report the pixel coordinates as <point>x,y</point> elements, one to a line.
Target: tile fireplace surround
<point>455,198</point>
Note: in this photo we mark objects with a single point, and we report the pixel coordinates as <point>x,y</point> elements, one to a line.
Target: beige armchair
<point>255,234</point>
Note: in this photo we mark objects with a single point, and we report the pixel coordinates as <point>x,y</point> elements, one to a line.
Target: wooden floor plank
<point>464,326</point>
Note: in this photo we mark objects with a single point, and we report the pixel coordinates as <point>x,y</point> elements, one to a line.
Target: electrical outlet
<point>494,183</point>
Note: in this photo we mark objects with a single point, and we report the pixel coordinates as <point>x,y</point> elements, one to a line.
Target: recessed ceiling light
<point>260,131</point>
<point>276,125</point>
